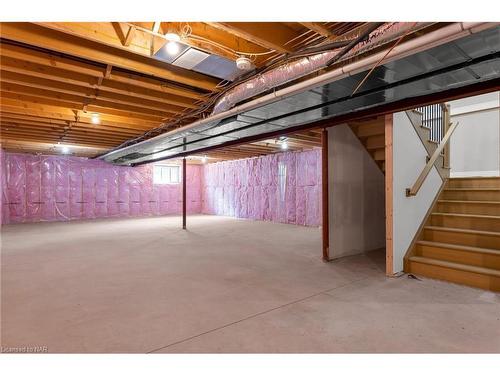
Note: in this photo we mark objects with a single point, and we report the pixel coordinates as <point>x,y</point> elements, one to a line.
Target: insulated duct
<point>162,146</point>
<point>371,37</point>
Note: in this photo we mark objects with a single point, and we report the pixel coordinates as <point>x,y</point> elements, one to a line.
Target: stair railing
<point>410,192</point>
<point>446,126</point>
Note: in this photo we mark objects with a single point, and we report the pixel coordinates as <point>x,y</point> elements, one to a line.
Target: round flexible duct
<point>306,65</point>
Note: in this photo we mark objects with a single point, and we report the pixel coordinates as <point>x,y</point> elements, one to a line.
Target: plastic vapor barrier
<point>57,188</point>
<point>284,187</point>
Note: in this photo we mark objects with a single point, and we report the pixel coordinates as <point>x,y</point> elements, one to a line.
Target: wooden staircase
<point>424,133</point>
<point>460,240</point>
<point>371,133</point>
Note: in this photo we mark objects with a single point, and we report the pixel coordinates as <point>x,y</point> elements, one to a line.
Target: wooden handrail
<point>410,192</point>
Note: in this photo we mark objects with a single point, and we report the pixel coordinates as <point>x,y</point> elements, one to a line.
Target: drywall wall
<point>283,187</point>
<point>409,158</point>
<point>356,196</point>
<point>475,144</point>
<point>52,188</point>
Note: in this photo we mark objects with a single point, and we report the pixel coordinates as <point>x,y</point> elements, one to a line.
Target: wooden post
<point>184,193</point>
<point>388,196</point>
<point>324,195</point>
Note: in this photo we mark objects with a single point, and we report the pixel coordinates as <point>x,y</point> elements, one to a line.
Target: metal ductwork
<point>456,55</point>
<point>301,67</point>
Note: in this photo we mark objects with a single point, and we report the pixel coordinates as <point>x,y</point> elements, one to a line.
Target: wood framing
<point>324,196</point>
<point>389,250</point>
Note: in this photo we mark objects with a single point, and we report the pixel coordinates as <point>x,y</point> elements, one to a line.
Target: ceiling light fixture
<point>95,118</point>
<point>284,145</point>
<point>204,159</point>
<point>65,149</point>
<point>173,48</point>
<point>172,45</point>
<point>172,37</point>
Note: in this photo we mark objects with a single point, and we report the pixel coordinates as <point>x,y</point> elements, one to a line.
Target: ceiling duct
<point>303,66</point>
<point>453,56</point>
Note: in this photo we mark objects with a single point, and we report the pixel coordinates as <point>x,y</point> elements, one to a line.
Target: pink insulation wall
<point>52,188</point>
<point>284,187</point>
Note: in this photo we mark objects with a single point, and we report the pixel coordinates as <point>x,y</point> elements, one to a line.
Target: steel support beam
<point>184,175</point>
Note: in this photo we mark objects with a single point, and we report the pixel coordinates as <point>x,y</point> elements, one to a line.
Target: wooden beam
<point>130,36</point>
<point>65,113</point>
<point>41,64</point>
<point>36,76</point>
<point>389,248</point>
<point>271,35</point>
<point>36,86</point>
<point>91,128</point>
<point>324,196</point>
<point>318,28</point>
<point>40,36</point>
<point>74,102</point>
<point>17,145</point>
<point>221,42</point>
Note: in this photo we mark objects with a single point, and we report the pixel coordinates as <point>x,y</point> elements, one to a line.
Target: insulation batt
<point>283,187</point>
<point>59,188</point>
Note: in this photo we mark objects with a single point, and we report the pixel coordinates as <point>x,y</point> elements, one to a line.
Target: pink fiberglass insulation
<point>54,188</point>
<point>284,187</point>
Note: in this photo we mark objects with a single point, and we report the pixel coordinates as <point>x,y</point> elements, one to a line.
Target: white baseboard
<point>475,174</point>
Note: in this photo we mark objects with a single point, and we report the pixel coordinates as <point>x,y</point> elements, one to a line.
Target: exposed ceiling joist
<point>271,35</point>
<point>44,37</point>
<point>318,28</point>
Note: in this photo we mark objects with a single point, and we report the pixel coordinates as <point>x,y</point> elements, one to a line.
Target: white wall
<point>408,161</point>
<point>356,196</point>
<point>475,145</point>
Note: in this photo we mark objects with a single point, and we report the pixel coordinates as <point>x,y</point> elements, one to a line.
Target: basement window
<point>166,174</point>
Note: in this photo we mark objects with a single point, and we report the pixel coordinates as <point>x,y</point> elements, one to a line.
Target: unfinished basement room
<point>249,187</point>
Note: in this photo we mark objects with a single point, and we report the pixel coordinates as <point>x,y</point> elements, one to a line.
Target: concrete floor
<point>225,285</point>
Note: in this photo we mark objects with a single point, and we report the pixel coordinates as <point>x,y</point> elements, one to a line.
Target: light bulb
<point>284,145</point>
<point>95,118</point>
<point>172,48</point>
<point>172,37</point>
<point>65,150</point>
<point>204,159</point>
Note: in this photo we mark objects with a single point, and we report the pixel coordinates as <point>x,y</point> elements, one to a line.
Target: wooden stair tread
<point>476,216</point>
<point>456,266</point>
<point>471,202</point>
<point>471,189</point>
<point>460,230</point>
<point>459,247</point>
<point>475,178</point>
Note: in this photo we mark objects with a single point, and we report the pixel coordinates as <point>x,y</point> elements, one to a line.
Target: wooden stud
<point>324,196</point>
<point>389,244</point>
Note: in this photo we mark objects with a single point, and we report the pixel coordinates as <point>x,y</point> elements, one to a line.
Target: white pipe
<point>419,44</point>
